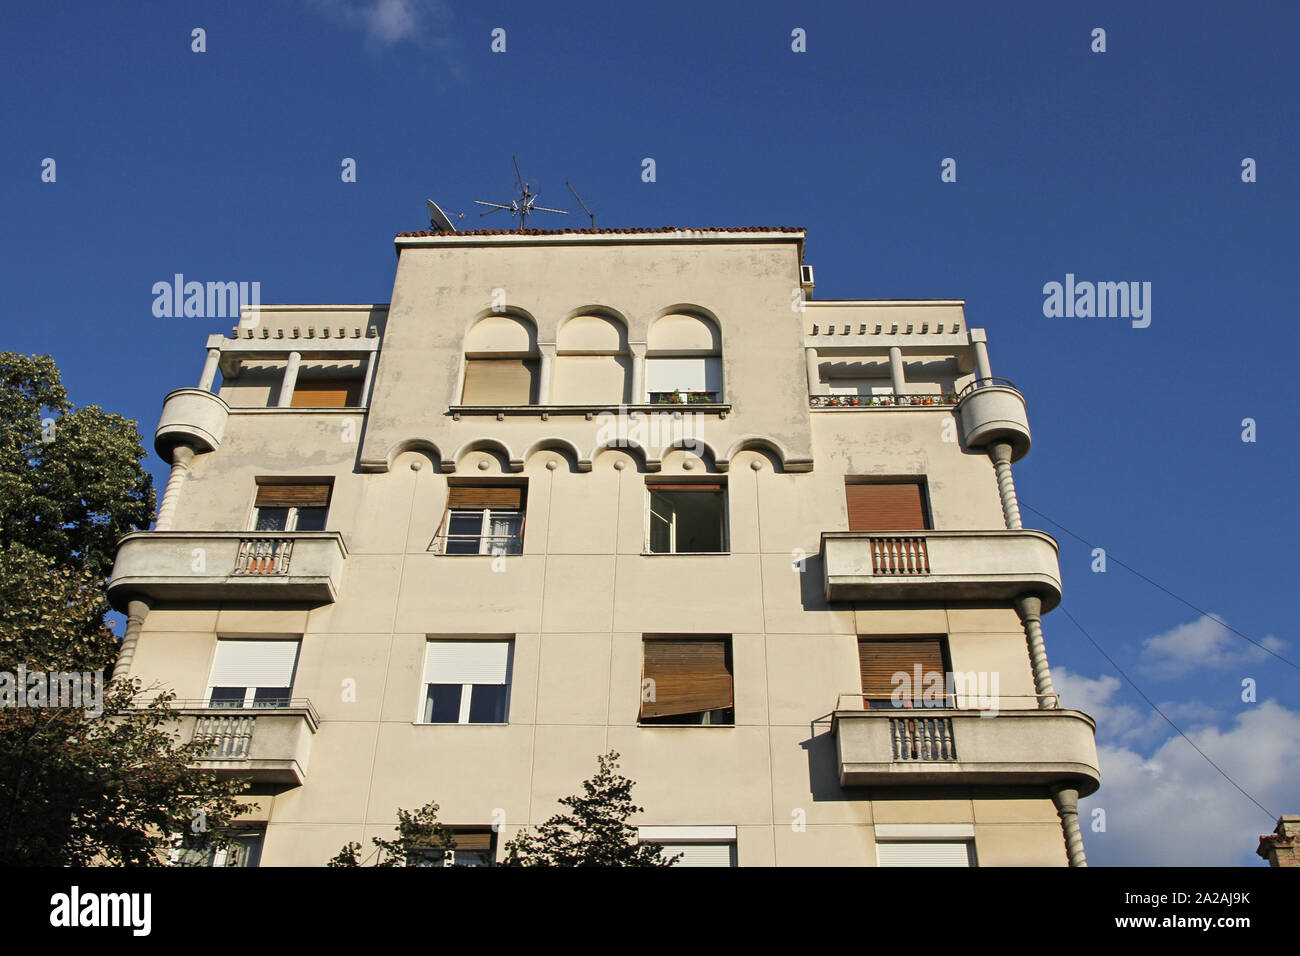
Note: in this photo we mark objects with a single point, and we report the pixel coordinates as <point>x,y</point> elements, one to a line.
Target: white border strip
<point>924,831</point>
<point>685,834</point>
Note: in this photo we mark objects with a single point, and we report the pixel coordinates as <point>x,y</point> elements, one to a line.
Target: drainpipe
<point>1067,808</point>
<point>182,455</point>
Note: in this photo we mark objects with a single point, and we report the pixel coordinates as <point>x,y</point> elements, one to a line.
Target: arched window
<point>684,360</point>
<point>592,363</point>
<point>501,362</point>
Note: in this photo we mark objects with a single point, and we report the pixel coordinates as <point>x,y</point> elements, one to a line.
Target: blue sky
<point>1115,166</point>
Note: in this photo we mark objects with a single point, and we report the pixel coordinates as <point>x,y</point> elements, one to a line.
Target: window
<point>697,846</point>
<point>252,673</point>
<point>500,381</point>
<point>686,518</point>
<point>467,682</point>
<point>903,672</point>
<point>283,505</point>
<point>887,505</point>
<point>925,853</point>
<point>472,846</point>
<point>326,393</point>
<point>243,848</point>
<point>683,360</point>
<point>592,364</point>
<point>484,519</point>
<point>687,680</point>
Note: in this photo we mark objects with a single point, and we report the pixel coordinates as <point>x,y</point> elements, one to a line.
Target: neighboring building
<point>613,489</point>
<point>1279,847</point>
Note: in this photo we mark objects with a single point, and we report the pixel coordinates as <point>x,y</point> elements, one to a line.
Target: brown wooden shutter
<point>326,393</point>
<point>505,497</point>
<point>507,381</point>
<point>891,506</point>
<point>306,494</point>
<point>881,660</point>
<point>472,839</point>
<point>690,676</point>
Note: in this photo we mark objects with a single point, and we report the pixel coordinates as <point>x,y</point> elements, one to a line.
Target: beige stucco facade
<point>366,595</point>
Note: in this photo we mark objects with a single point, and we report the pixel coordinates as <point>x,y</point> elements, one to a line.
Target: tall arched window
<point>684,360</point>
<point>501,362</point>
<point>592,363</point>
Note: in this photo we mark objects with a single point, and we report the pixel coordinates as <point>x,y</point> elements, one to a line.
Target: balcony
<point>941,566</point>
<point>265,745</point>
<point>925,747</point>
<point>193,417</point>
<point>892,400</point>
<point>993,410</point>
<point>299,566</point>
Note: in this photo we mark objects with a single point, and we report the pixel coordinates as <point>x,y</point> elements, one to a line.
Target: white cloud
<point>387,23</point>
<point>1171,808</point>
<point>1203,643</point>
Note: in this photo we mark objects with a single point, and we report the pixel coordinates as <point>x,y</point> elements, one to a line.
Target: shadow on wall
<point>823,765</point>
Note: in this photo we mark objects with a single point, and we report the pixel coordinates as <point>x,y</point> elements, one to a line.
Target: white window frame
<point>467,689</point>
<point>485,537</point>
<point>250,690</point>
<point>725,539</point>
<point>698,836</point>
<point>963,833</point>
<point>290,522</point>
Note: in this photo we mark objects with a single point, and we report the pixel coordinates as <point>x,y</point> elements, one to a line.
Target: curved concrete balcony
<point>923,747</point>
<point>992,410</point>
<point>941,566</point>
<point>266,745</point>
<point>193,417</point>
<point>289,566</point>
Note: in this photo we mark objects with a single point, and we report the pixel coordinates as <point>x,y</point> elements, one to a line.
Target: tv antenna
<point>438,220</point>
<point>581,203</point>
<point>522,206</point>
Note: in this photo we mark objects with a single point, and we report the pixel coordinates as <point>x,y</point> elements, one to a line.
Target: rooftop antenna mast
<point>525,204</point>
<point>581,203</point>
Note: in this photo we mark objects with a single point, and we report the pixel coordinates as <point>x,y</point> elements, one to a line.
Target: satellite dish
<point>438,220</point>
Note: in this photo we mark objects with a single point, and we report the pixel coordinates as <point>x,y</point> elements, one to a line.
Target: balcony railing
<point>684,398</point>
<point>899,556</point>
<point>229,736</point>
<point>892,400</point>
<point>922,738</point>
<point>264,744</point>
<point>991,382</point>
<point>295,566</point>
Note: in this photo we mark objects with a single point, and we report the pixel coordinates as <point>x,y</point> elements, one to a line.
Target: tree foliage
<point>594,831</point>
<point>418,833</point>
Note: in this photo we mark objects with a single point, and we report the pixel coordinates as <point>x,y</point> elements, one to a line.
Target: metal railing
<point>922,739</point>
<point>899,555</point>
<point>263,556</point>
<point>892,400</point>
<point>986,383</point>
<point>883,706</point>
<point>684,398</point>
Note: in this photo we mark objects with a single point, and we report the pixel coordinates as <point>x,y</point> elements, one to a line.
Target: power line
<point>1153,706</point>
<point>1155,584</point>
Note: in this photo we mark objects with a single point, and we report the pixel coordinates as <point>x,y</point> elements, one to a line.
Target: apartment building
<point>599,489</point>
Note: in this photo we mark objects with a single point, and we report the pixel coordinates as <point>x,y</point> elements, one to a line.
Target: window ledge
<point>479,723</point>
<point>590,411</point>
<point>251,410</point>
<point>685,554</point>
<point>686,726</point>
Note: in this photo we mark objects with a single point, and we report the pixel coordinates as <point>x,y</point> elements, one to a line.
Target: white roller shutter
<point>467,662</point>
<point>254,664</point>
<point>683,374</point>
<point>701,854</point>
<point>925,853</point>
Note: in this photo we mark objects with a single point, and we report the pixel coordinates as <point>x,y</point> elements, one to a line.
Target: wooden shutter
<point>881,660</point>
<point>504,497</point>
<point>690,676</point>
<point>890,506</point>
<point>306,494</point>
<point>326,393</point>
<point>506,381</point>
<point>472,839</point>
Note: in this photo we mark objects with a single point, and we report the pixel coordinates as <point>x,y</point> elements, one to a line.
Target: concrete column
<point>136,612</point>
<point>1030,609</point>
<point>182,455</point>
<point>1067,808</point>
<point>814,376</point>
<point>1001,455</point>
<point>639,395</point>
<point>371,359</point>
<point>544,375</point>
<point>896,369</point>
<point>209,375</point>
<point>980,341</point>
<point>290,379</point>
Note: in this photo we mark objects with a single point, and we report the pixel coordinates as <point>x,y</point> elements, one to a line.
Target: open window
<point>686,518</point>
<point>292,504</point>
<point>483,519</point>
<point>467,682</point>
<point>253,673</point>
<point>236,847</point>
<point>687,680</point>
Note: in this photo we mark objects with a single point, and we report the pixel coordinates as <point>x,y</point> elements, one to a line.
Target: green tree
<point>418,833</point>
<point>594,832</point>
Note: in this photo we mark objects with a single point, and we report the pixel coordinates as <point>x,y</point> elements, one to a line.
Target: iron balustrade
<point>892,400</point>
<point>992,382</point>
